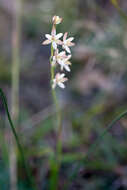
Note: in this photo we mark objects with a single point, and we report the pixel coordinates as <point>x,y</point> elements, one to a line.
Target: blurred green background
<point>95,94</point>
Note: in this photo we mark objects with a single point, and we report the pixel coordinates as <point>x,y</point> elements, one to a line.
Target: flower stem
<point>55,164</point>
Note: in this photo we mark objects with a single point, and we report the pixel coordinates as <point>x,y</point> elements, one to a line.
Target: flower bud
<point>56,20</point>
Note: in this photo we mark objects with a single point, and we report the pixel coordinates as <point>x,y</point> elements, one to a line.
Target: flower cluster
<point>59,58</point>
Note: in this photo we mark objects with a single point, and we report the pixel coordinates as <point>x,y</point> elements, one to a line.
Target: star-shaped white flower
<point>59,80</point>
<point>53,38</point>
<point>58,57</point>
<point>65,63</point>
<point>56,20</point>
<point>67,43</point>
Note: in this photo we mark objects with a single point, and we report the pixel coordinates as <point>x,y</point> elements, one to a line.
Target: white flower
<point>58,57</point>
<point>65,63</point>
<point>56,20</point>
<point>62,59</point>
<point>59,80</point>
<point>67,43</point>
<point>53,38</point>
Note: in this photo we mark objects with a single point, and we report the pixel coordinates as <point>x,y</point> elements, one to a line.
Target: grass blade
<point>30,180</point>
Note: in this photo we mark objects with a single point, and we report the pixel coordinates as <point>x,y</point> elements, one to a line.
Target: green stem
<point>16,34</point>
<point>93,146</point>
<point>116,5</point>
<point>55,164</point>
<point>16,138</point>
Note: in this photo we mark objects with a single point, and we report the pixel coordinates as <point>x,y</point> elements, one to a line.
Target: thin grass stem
<point>29,177</point>
<point>116,5</point>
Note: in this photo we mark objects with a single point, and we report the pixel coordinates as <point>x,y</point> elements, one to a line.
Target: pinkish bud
<point>56,20</point>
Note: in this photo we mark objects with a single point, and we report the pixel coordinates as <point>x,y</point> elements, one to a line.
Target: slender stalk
<point>15,89</point>
<point>121,12</point>
<point>93,146</point>
<point>16,35</point>
<point>55,164</point>
<point>17,139</point>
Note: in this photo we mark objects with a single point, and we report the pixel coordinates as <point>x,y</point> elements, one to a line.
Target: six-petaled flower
<point>65,63</point>
<point>67,43</point>
<point>58,57</point>
<point>53,38</point>
<point>59,80</point>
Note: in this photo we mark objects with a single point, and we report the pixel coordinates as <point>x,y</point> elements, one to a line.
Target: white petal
<point>68,57</point>
<point>67,68</point>
<point>53,61</point>
<point>53,85</point>
<point>62,53</point>
<point>54,80</point>
<point>67,49</point>
<point>61,85</point>
<point>54,58</point>
<point>53,32</point>
<point>58,36</point>
<point>48,36</point>
<point>57,76</point>
<point>65,36</point>
<point>59,42</point>
<point>46,42</point>
<point>63,46</point>
<point>70,39</point>
<point>61,67</point>
<point>62,75</point>
<point>54,45</point>
<point>60,62</point>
